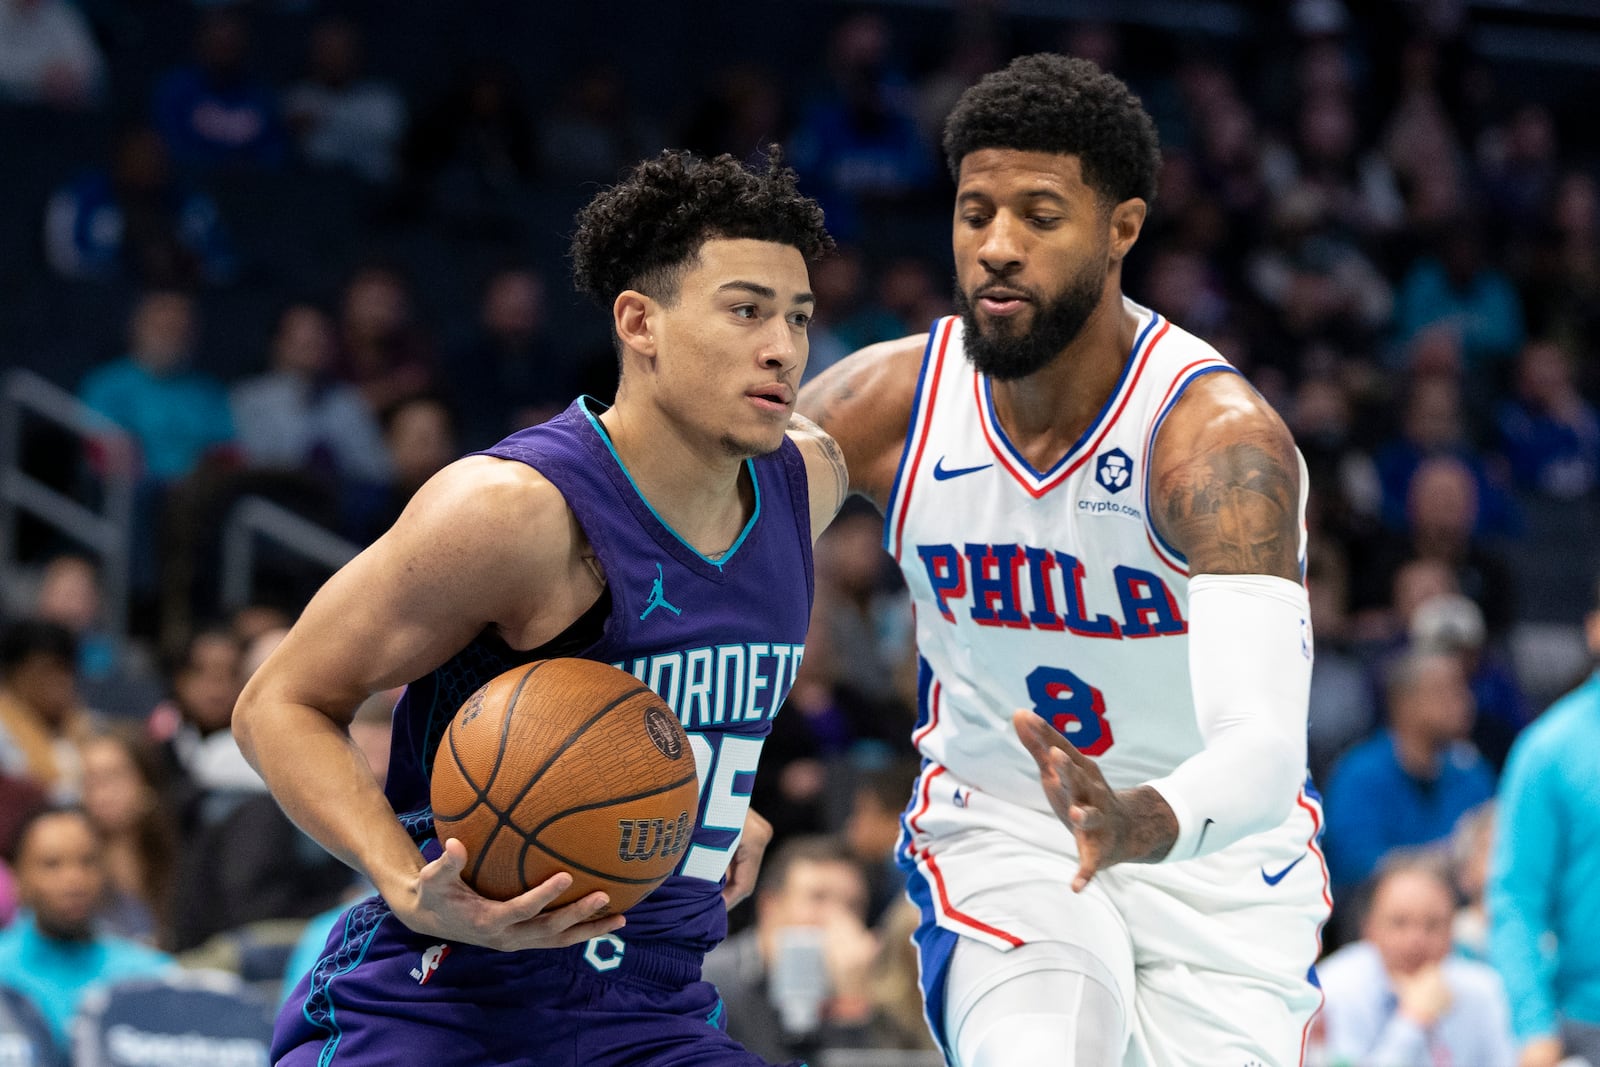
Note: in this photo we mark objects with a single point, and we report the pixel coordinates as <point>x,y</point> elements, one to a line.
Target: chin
<point>748,447</point>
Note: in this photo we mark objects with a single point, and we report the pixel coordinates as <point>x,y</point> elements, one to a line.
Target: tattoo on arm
<point>822,406</point>
<point>1235,509</point>
<point>841,474</point>
<point>830,451</point>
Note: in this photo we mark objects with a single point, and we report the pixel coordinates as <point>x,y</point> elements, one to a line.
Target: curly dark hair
<point>643,232</point>
<point>1052,103</point>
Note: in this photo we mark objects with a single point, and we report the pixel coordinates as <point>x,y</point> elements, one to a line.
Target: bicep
<point>1227,484</point>
<point>417,595</point>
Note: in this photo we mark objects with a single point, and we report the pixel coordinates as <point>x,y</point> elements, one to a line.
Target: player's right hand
<point>440,904</point>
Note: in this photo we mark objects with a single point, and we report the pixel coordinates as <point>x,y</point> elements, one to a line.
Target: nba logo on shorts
<point>1114,470</point>
<point>430,963</point>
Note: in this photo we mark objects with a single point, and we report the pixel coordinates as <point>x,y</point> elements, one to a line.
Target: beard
<point>1008,349</point>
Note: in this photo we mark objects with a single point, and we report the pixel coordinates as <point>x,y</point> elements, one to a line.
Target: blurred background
<point>269,265</point>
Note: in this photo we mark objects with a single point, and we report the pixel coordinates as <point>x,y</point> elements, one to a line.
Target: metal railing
<point>255,517</point>
<point>107,530</point>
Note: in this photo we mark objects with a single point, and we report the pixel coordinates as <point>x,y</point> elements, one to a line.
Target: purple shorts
<point>382,995</point>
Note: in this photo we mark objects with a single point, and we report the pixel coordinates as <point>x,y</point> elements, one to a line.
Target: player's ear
<point>1125,221</point>
<point>631,314</point>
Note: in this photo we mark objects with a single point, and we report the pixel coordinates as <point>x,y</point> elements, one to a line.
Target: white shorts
<point>1214,955</point>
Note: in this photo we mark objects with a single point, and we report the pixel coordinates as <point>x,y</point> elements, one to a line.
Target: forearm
<point>1250,672</point>
<point>325,785</point>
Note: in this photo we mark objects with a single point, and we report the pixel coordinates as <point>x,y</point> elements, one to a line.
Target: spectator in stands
<point>1434,424</point>
<point>53,953</point>
<point>1342,708</point>
<point>137,221</point>
<point>1442,515</point>
<point>1549,434</point>
<point>1544,881</point>
<point>214,112</point>
<point>40,717</point>
<point>48,55</point>
<point>195,723</point>
<point>1561,280</point>
<point>593,134</point>
<point>339,118</point>
<point>1471,845</point>
<point>797,980</point>
<point>123,795</point>
<point>858,145</point>
<point>1397,998</point>
<point>1457,286</point>
<point>471,147</point>
<point>381,350</point>
<point>241,859</point>
<point>297,416</point>
<point>872,829</point>
<point>116,675</point>
<point>505,377</point>
<point>176,415</point>
<point>1408,785</point>
<point>1453,624</point>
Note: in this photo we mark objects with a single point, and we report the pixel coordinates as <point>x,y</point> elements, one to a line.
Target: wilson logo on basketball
<point>473,706</point>
<point>663,731</point>
<point>643,839</point>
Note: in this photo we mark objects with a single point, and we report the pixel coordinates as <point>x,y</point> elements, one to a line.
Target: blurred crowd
<point>315,274</point>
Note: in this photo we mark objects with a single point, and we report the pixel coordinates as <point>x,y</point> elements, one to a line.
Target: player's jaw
<point>1012,330</point>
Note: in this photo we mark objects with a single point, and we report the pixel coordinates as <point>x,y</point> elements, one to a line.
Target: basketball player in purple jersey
<point>669,534</point>
<point>1100,523</point>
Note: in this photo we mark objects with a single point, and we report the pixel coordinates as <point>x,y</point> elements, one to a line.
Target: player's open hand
<point>746,863</point>
<point>1078,794</point>
<point>442,905</point>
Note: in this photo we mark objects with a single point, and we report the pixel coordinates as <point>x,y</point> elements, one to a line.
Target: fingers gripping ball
<point>566,765</point>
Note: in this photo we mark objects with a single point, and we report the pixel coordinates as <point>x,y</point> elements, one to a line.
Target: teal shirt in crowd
<point>1544,880</point>
<point>55,975</point>
<point>175,418</point>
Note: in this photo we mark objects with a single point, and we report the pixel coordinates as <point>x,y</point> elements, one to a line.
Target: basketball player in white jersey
<point>1100,521</point>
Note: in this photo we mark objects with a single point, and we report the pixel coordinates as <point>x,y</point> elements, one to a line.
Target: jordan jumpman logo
<point>658,597</point>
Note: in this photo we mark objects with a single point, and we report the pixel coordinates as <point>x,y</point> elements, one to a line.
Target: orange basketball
<point>566,765</point>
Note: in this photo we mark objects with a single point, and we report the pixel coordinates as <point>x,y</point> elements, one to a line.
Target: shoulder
<point>1226,484</point>
<point>1370,759</point>
<point>864,403</point>
<point>484,497</point>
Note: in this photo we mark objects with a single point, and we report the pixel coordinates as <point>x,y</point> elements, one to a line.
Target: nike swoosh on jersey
<point>1274,879</point>
<point>943,474</point>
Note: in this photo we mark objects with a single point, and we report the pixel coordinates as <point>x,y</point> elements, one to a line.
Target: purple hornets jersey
<point>719,640</point>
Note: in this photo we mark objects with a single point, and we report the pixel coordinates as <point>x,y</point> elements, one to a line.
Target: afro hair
<point>1052,103</point>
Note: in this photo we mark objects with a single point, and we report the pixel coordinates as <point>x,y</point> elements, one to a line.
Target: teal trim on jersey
<point>715,1018</point>
<point>749,465</point>
<point>330,1048</point>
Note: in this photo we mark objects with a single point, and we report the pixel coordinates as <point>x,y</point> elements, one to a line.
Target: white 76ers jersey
<point>1047,590</point>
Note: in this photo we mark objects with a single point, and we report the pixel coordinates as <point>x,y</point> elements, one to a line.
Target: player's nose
<point>779,350</point>
<point>1001,250</point>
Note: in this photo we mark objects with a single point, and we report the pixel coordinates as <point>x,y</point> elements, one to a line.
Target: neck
<point>1417,752</point>
<point>693,485</point>
<point>1045,413</point>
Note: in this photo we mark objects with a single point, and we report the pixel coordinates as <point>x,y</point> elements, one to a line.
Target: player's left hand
<point>1078,794</point>
<point>746,859</point>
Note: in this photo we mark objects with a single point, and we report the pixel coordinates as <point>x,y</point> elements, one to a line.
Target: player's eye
<point>747,311</point>
<point>1045,221</point>
<point>800,319</point>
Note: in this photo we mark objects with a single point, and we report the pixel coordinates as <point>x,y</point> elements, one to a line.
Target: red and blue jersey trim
<point>905,475</point>
<point>1038,483</point>
<point>1165,551</point>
